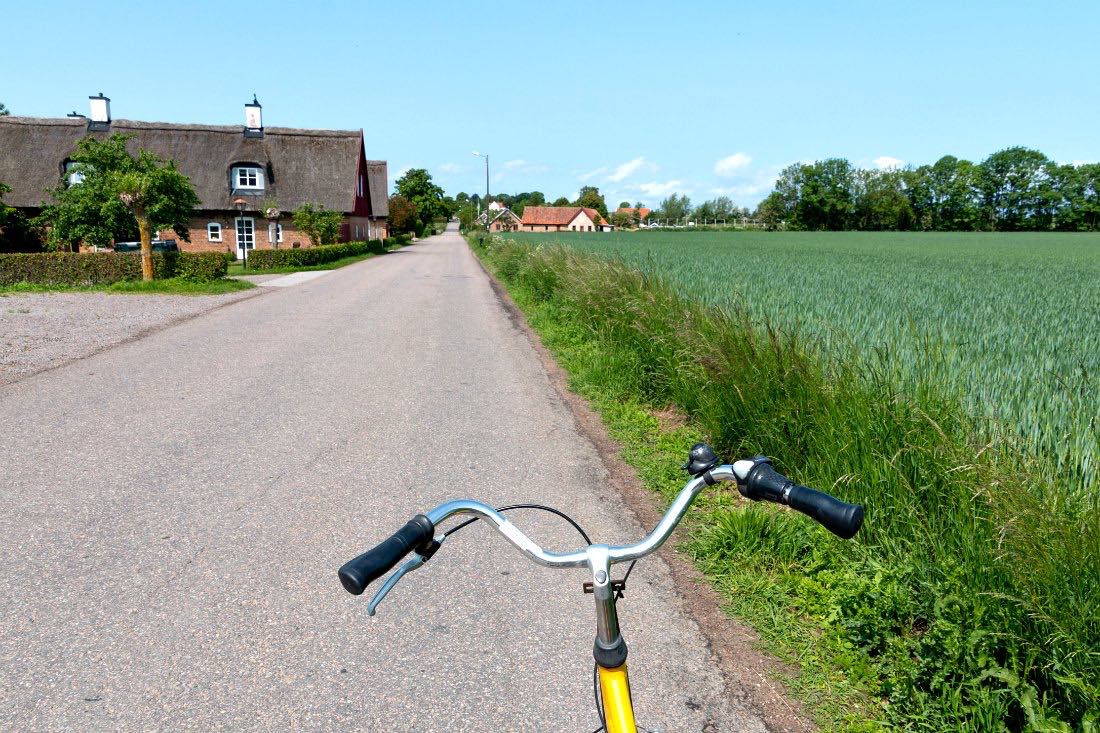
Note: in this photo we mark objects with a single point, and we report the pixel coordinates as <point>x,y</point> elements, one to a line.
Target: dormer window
<point>73,176</point>
<point>249,177</point>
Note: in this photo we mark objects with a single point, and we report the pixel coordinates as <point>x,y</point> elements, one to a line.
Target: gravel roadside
<point>40,331</point>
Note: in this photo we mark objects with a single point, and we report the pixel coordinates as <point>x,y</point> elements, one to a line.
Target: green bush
<point>103,268</point>
<point>268,259</point>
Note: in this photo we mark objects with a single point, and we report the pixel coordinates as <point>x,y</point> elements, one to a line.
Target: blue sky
<point>640,99</point>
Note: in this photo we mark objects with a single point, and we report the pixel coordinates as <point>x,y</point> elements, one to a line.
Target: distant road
<point>173,511</point>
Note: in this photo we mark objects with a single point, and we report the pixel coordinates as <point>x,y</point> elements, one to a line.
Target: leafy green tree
<point>826,199</point>
<point>462,198</point>
<point>417,186</point>
<point>675,208</point>
<point>16,232</point>
<point>622,219</point>
<point>1016,190</point>
<point>881,203</point>
<point>1078,190</point>
<point>724,208</point>
<point>945,196</point>
<point>4,111</point>
<point>591,198</point>
<point>115,191</point>
<point>403,214</point>
<point>773,211</point>
<point>560,201</point>
<point>320,225</point>
<point>624,205</point>
<point>704,213</point>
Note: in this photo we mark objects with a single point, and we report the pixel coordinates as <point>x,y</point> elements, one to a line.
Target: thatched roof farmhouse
<point>236,172</point>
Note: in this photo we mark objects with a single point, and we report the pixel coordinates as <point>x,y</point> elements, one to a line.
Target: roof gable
<point>305,166</point>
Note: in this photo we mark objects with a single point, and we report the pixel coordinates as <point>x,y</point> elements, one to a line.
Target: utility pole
<point>486,156</point>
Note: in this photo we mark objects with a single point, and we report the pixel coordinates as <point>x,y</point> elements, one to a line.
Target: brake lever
<point>414,562</point>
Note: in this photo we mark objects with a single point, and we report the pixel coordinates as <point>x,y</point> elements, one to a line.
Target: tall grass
<point>1011,322</point>
<point>971,599</point>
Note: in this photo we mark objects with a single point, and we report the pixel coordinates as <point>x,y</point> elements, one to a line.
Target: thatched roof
<point>378,182</point>
<point>304,166</point>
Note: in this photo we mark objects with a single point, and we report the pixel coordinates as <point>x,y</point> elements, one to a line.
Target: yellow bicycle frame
<point>618,710</point>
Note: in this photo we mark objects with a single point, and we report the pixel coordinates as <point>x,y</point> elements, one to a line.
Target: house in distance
<point>239,173</point>
<point>499,218</point>
<point>563,219</point>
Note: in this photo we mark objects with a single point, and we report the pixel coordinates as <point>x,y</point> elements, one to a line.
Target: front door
<point>246,235</point>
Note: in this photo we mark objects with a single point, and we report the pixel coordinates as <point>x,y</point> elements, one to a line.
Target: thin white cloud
<point>657,188</point>
<point>888,162</point>
<point>627,169</point>
<point>592,174</point>
<point>450,168</point>
<point>512,165</point>
<point>1077,163</point>
<point>732,164</point>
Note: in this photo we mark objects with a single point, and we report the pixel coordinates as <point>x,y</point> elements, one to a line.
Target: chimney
<point>101,113</point>
<point>253,119</point>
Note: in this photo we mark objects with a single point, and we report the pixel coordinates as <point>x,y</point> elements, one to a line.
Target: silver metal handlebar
<point>579,558</point>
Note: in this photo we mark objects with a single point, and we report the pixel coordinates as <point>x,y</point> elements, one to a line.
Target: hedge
<point>397,240</point>
<point>104,268</point>
<point>267,259</point>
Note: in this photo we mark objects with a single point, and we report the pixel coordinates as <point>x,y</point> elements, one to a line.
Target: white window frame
<point>242,175</point>
<point>275,233</point>
<point>74,177</point>
<point>211,228</point>
<point>238,229</point>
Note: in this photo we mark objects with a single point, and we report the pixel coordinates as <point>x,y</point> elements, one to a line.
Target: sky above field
<point>640,99</point>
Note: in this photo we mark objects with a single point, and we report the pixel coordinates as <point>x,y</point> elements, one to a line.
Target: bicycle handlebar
<point>358,573</point>
<point>756,480</point>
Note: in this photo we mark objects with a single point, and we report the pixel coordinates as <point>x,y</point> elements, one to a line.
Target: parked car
<point>159,245</point>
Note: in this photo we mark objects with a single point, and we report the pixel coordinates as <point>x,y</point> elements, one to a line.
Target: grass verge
<point>235,268</point>
<point>971,600</point>
<point>170,286</point>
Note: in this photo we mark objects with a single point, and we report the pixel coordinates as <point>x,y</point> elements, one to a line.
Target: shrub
<point>268,259</point>
<point>103,268</point>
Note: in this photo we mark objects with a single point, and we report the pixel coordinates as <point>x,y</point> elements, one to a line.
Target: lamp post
<point>240,204</point>
<point>486,156</point>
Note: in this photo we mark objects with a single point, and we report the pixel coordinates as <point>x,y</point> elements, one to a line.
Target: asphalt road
<point>173,511</point>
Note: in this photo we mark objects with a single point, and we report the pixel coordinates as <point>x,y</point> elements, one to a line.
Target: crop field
<point>1009,322</point>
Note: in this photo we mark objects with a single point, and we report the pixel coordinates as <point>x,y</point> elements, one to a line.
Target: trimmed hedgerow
<point>104,268</point>
<point>268,259</point>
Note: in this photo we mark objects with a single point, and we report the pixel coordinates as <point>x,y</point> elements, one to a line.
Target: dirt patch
<point>747,670</point>
<point>670,418</point>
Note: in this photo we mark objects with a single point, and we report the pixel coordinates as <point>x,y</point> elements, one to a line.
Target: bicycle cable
<point>588,541</point>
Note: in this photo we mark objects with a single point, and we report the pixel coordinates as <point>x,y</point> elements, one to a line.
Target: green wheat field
<point>1009,322</point>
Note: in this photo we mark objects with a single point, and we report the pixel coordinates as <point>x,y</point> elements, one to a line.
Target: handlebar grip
<point>840,518</point>
<point>765,483</point>
<point>358,573</point>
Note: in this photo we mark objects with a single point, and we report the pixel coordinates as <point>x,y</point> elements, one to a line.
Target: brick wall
<point>354,228</point>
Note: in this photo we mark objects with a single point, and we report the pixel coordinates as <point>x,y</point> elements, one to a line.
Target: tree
<point>403,214</point>
<point>320,225</point>
<point>1016,190</point>
<point>591,198</point>
<point>4,112</point>
<point>1078,187</point>
<point>115,191</point>
<point>417,186</point>
<point>560,201</point>
<point>773,211</point>
<point>624,205</point>
<point>622,219</point>
<point>880,201</point>
<point>674,208</point>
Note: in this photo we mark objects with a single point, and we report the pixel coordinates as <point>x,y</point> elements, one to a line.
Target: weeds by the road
<point>971,599</point>
<point>169,286</point>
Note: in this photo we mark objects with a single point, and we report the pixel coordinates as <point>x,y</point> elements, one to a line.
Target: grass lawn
<point>171,286</point>
<point>236,268</point>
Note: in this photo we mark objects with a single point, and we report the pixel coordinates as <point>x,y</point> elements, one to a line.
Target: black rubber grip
<point>357,574</point>
<point>764,483</point>
<point>840,518</point>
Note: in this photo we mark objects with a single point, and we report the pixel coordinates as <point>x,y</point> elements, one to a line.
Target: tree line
<point>1016,189</point>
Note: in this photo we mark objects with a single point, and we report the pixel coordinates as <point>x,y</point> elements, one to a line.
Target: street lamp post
<point>486,156</point>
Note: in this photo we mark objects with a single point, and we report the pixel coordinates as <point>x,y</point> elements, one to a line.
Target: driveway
<point>173,511</point>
